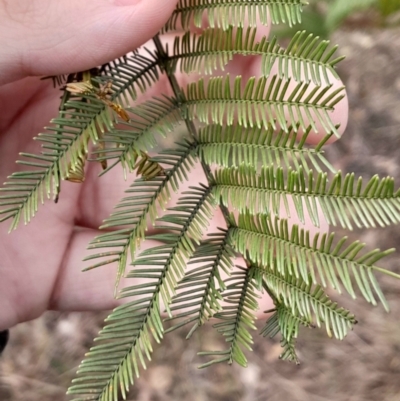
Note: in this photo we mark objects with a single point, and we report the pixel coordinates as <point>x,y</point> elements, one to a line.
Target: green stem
<point>179,94</point>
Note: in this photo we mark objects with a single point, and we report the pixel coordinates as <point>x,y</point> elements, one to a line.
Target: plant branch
<point>179,94</point>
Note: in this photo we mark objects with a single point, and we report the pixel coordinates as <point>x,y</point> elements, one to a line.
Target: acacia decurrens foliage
<point>254,131</point>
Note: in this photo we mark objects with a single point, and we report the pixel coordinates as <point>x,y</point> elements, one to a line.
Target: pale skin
<point>40,264</point>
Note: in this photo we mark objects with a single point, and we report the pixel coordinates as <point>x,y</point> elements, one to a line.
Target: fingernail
<point>125,2</point>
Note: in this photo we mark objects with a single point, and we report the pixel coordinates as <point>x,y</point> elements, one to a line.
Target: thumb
<point>50,37</point>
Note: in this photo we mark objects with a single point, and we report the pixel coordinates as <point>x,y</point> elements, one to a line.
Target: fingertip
<point>128,26</point>
<point>81,35</point>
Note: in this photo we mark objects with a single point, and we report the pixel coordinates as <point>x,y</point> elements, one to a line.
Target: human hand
<point>41,264</point>
<point>43,37</point>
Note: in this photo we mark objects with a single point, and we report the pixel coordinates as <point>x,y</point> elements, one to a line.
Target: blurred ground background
<point>43,355</point>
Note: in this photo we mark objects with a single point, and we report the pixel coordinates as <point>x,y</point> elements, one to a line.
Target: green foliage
<point>129,220</point>
<point>203,284</point>
<point>343,199</point>
<point>302,301</point>
<point>237,317</point>
<point>323,17</point>
<point>340,9</point>
<point>388,7</point>
<point>236,145</point>
<point>224,13</point>
<point>286,322</point>
<point>249,135</point>
<point>271,104</point>
<point>306,57</point>
<point>272,243</point>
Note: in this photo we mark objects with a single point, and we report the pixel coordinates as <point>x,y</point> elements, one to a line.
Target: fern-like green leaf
<point>255,130</point>
<point>284,321</point>
<point>132,73</point>
<point>224,13</point>
<point>199,293</point>
<point>262,104</point>
<point>289,351</point>
<point>341,200</point>
<point>305,59</point>
<point>301,303</point>
<point>287,323</point>
<point>185,228</point>
<point>110,367</point>
<point>66,142</point>
<point>129,220</point>
<point>273,244</point>
<point>234,145</point>
<point>237,318</point>
<point>306,300</point>
<point>131,138</point>
<point>64,145</point>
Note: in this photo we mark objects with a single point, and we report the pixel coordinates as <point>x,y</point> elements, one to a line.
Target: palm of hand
<point>42,260</point>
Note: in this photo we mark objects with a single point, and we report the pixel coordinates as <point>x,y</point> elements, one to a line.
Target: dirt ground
<point>43,355</point>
